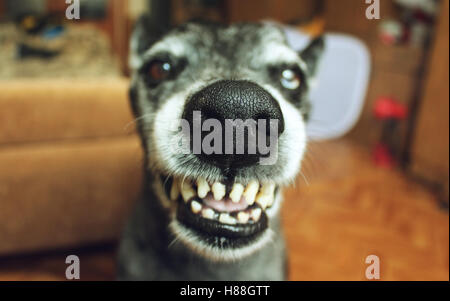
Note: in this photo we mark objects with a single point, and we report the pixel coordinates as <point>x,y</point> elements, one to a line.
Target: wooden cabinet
<point>286,11</point>
<point>430,147</point>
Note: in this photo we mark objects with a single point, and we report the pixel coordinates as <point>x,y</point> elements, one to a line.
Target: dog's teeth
<point>218,190</point>
<point>256,214</point>
<point>196,207</point>
<point>236,192</point>
<point>263,201</point>
<point>202,187</point>
<point>243,217</point>
<point>208,213</point>
<point>265,195</point>
<point>268,188</point>
<point>174,191</point>
<point>250,191</point>
<point>225,218</point>
<point>187,192</point>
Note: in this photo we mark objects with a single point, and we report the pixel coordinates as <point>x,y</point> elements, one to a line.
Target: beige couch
<point>70,163</point>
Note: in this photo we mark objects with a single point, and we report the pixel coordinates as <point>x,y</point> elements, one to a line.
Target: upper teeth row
<point>262,194</point>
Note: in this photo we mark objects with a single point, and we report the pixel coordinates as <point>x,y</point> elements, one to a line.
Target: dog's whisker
<point>166,179</point>
<point>126,126</point>
<point>304,177</point>
<point>173,242</point>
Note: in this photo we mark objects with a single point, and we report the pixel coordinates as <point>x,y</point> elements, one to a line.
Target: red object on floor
<point>382,156</point>
<point>388,108</point>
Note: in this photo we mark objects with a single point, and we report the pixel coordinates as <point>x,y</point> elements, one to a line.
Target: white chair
<point>342,80</point>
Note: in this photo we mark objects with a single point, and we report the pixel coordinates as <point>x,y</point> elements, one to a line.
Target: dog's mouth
<point>227,215</point>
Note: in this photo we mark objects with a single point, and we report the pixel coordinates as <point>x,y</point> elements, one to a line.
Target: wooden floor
<point>352,209</point>
<point>341,210</point>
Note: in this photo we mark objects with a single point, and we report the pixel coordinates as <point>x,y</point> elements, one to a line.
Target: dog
<point>214,216</point>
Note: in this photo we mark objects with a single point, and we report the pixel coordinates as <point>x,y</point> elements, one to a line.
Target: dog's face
<point>221,203</point>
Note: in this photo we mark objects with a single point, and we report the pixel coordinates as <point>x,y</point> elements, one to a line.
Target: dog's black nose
<point>242,106</point>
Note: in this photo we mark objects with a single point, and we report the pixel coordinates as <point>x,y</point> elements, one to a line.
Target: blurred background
<point>70,161</point>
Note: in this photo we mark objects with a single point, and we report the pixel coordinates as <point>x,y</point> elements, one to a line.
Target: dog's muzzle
<point>228,213</point>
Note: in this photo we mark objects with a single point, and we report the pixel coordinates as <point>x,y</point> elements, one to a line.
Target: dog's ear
<point>312,53</point>
<point>145,33</point>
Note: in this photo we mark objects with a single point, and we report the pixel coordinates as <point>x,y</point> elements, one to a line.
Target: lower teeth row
<point>242,217</point>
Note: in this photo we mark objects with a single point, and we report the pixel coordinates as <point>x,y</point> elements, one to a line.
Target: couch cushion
<point>56,195</point>
<point>48,110</point>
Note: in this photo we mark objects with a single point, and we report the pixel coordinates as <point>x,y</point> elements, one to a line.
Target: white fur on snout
<point>166,124</point>
<point>292,142</point>
<point>167,119</point>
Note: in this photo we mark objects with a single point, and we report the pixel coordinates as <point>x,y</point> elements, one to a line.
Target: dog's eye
<point>159,71</point>
<point>290,79</point>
